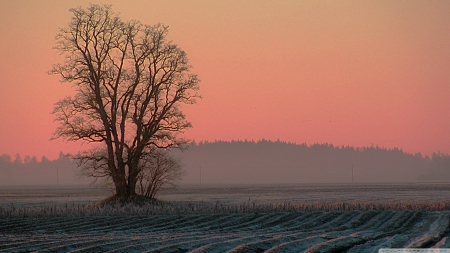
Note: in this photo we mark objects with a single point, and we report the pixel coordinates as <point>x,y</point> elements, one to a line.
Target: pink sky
<point>344,72</point>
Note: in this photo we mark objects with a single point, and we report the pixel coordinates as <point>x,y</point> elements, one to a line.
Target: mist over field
<point>261,162</point>
<point>281,162</point>
<point>30,171</point>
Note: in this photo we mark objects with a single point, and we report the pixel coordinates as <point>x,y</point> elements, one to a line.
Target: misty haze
<point>260,162</point>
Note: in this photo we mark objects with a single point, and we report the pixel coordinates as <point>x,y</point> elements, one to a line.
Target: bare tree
<point>130,81</point>
<point>158,168</point>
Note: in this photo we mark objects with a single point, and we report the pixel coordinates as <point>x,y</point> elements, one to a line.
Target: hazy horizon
<point>57,155</point>
<point>262,162</point>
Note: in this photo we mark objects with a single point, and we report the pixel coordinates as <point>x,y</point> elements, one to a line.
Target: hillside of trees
<point>30,171</point>
<point>281,162</point>
<point>247,162</point>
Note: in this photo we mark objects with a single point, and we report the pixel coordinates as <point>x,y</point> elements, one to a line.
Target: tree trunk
<point>121,187</point>
<point>133,178</point>
<point>120,182</point>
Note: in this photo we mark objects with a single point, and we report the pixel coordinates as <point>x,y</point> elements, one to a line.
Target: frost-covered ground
<point>294,193</point>
<point>311,192</point>
<point>288,218</point>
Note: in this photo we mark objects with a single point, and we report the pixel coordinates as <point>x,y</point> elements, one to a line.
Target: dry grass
<point>105,208</point>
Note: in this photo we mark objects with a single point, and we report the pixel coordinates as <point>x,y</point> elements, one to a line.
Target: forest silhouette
<point>30,171</point>
<point>267,161</point>
<point>258,162</point>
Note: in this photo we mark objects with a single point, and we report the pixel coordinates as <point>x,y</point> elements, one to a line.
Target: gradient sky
<point>355,73</point>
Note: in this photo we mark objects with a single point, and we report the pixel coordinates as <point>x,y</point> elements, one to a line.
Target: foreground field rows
<point>319,231</point>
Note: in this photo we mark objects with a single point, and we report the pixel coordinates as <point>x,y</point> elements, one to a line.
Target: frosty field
<point>251,218</point>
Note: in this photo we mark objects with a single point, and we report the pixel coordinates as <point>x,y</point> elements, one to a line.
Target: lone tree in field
<point>130,81</point>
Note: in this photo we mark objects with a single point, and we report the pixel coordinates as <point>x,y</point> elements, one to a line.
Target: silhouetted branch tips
<point>129,81</point>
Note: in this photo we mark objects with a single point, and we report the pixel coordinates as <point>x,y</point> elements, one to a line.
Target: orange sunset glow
<point>356,73</point>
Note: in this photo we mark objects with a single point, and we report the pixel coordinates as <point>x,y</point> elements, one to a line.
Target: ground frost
<point>353,231</point>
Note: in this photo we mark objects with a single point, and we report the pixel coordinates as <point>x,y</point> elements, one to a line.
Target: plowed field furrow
<point>65,225</point>
<point>301,218</point>
<point>208,219</point>
<point>297,245</point>
<point>102,246</point>
<point>46,243</point>
<point>134,242</point>
<point>62,246</point>
<point>174,224</point>
<point>197,221</point>
<point>340,244</point>
<point>368,219</point>
<point>325,222</point>
<point>255,246</point>
<point>60,226</point>
<point>146,244</point>
<point>55,222</point>
<point>186,245</point>
<point>332,221</point>
<point>443,243</point>
<point>223,222</point>
<point>14,224</point>
<point>127,223</point>
<point>370,246</point>
<point>396,221</point>
<point>382,232</point>
<point>342,222</point>
<point>91,224</point>
<point>427,232</point>
<point>277,223</point>
<point>253,221</point>
<point>17,243</point>
<point>400,236</point>
<point>396,241</point>
<point>267,244</point>
<point>311,224</point>
<point>145,224</point>
<point>214,220</point>
<point>402,228</point>
<point>110,244</point>
<point>334,231</point>
<point>378,220</point>
<point>223,245</point>
<point>112,220</point>
<point>335,240</point>
<point>200,223</point>
<point>299,222</point>
<point>256,220</point>
<point>361,219</point>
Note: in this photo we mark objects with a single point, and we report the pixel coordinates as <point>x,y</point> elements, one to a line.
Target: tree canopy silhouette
<point>130,81</point>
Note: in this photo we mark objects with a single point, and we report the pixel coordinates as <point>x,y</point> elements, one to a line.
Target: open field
<point>229,194</point>
<point>225,219</point>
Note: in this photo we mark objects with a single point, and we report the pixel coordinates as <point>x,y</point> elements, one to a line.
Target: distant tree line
<point>29,171</point>
<point>267,161</point>
<point>439,167</point>
<point>17,159</point>
<point>254,162</point>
